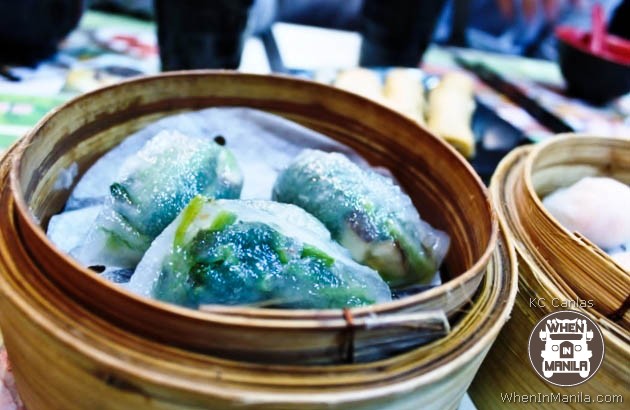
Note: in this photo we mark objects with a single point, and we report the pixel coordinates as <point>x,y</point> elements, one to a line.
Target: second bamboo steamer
<point>559,267</point>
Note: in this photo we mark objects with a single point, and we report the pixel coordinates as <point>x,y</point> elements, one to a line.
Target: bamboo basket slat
<point>572,258</point>
<point>521,177</point>
<point>442,185</point>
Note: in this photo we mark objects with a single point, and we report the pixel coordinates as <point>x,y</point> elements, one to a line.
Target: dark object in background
<point>339,14</point>
<point>201,33</point>
<point>30,30</point>
<point>141,9</point>
<point>495,138</point>
<point>595,78</point>
<point>397,32</point>
<point>544,117</point>
<point>620,21</point>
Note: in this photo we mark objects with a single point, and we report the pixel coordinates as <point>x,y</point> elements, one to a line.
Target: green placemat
<point>23,105</point>
<point>18,113</point>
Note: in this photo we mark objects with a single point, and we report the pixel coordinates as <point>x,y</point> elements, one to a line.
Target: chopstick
<point>499,84</point>
<point>273,52</point>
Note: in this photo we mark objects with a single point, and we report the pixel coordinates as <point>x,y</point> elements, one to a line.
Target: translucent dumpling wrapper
<point>253,252</point>
<point>152,188</point>
<point>263,144</point>
<point>596,207</point>
<point>367,213</point>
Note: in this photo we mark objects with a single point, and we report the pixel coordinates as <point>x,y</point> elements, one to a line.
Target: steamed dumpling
<point>258,252</point>
<point>365,212</point>
<point>153,186</point>
<point>596,207</point>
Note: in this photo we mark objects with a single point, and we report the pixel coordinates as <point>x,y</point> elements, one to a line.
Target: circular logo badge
<point>566,348</point>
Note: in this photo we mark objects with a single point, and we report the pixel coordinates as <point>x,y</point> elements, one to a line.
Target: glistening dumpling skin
<point>596,207</point>
<point>253,252</point>
<point>365,212</point>
<point>154,185</point>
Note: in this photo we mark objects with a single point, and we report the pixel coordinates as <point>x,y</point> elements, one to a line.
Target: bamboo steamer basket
<point>556,264</point>
<point>442,185</point>
<point>66,357</point>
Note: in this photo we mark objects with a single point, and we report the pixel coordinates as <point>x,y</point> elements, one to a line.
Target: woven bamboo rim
<point>100,365</point>
<point>507,368</point>
<point>580,264</point>
<point>84,128</point>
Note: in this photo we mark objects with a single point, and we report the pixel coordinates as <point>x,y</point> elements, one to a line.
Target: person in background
<point>211,33</point>
<point>394,32</point>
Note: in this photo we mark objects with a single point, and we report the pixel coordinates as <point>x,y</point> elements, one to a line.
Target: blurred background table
<point>107,48</point>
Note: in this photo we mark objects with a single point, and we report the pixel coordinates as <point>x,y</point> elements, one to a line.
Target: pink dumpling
<point>596,207</point>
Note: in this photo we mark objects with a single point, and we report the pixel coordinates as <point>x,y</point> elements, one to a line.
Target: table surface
<point>106,48</point>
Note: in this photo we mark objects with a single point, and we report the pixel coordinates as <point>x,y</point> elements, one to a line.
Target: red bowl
<point>596,77</point>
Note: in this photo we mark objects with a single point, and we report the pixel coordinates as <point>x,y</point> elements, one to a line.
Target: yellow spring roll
<point>451,105</point>
<point>361,81</point>
<point>404,92</point>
